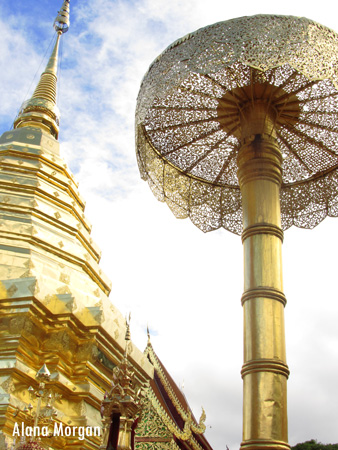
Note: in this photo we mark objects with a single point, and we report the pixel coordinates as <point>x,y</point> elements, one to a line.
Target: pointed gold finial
<point>43,374</point>
<point>61,23</point>
<point>148,334</point>
<point>127,336</point>
<point>41,110</point>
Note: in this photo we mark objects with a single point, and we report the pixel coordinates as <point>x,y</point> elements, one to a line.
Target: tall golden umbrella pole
<point>237,127</point>
<point>264,371</point>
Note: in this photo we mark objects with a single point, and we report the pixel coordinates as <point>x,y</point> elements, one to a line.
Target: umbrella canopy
<point>193,106</point>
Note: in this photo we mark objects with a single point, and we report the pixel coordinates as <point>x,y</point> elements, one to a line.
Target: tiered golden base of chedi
<point>54,305</point>
<point>54,297</point>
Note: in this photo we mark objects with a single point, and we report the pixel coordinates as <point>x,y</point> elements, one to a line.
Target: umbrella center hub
<point>258,117</point>
<point>259,108</point>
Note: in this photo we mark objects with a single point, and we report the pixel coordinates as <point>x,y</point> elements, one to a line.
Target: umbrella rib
<point>183,108</point>
<point>229,92</point>
<point>215,82</point>
<point>287,145</point>
<point>312,99</point>
<point>204,94</point>
<point>185,124</point>
<point>326,113</point>
<point>200,137</point>
<point>311,140</point>
<point>293,93</point>
<point>226,164</point>
<point>207,153</point>
<point>317,125</point>
<point>195,122</point>
<point>282,86</point>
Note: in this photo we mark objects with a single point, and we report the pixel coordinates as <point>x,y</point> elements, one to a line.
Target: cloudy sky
<point>185,284</point>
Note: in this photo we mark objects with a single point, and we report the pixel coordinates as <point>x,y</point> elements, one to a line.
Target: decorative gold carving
<point>8,385</point>
<point>12,290</point>
<point>28,327</point>
<point>65,278</point>
<point>59,341</point>
<point>186,415</point>
<point>29,264</point>
<point>125,398</point>
<point>26,274</point>
<point>96,313</point>
<point>63,290</point>
<point>81,408</point>
<point>151,423</point>
<point>158,445</point>
<point>34,287</point>
<point>16,324</point>
<point>186,434</point>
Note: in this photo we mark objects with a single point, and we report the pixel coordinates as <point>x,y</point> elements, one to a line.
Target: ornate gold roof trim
<point>186,415</point>
<point>186,434</point>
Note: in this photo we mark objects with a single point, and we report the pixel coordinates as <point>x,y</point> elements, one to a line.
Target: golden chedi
<point>54,297</point>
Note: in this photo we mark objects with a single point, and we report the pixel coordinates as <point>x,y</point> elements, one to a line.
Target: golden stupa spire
<point>41,110</point>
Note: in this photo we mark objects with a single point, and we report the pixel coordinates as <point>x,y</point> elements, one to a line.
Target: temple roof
<point>173,408</point>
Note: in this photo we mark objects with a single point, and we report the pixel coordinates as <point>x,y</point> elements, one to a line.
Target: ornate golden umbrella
<point>237,127</point>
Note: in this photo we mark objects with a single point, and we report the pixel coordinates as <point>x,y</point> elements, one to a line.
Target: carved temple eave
<point>170,410</point>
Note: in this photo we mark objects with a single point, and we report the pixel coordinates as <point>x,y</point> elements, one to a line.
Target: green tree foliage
<point>314,445</point>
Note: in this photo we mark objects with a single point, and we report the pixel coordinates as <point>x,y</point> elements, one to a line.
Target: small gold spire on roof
<point>148,334</point>
<point>127,336</point>
<point>41,110</point>
<point>43,374</point>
